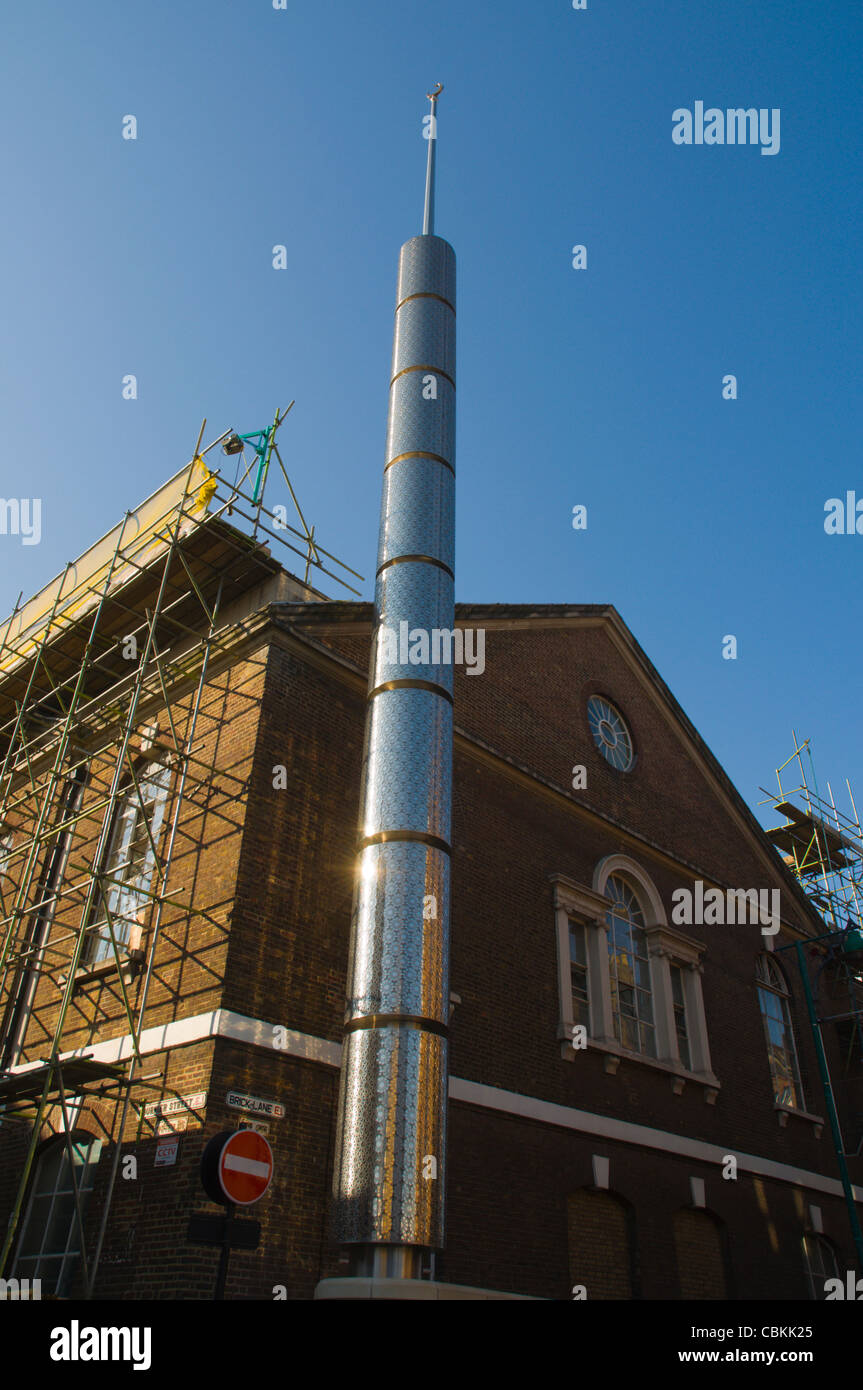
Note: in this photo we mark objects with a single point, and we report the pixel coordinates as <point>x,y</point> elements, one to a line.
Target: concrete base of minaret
<point>404,1289</point>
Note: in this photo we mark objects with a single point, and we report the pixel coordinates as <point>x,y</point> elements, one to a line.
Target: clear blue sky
<point>602,387</point>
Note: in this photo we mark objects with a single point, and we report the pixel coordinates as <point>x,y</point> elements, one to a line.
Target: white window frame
<point>666,946</point>
<point>127,895</point>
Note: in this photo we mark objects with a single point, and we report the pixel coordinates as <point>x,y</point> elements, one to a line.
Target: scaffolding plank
<point>76,1072</point>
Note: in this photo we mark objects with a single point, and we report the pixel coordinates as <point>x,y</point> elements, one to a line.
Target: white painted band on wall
<point>224,1023</point>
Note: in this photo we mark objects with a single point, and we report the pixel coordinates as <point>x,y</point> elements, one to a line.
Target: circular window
<point>610,733</point>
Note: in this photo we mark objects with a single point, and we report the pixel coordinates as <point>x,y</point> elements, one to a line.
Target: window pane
<point>629,970</point>
<point>40,1211</point>
<point>677,985</point>
<point>820,1259</point>
<point>781,1049</point>
<point>576,943</point>
<point>49,1273</point>
<point>49,1165</point>
<point>680,1025</point>
<point>627,1001</point>
<point>578,974</point>
<point>130,863</point>
<point>60,1226</point>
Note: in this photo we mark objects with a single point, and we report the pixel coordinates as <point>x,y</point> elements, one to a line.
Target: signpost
<point>236,1170</point>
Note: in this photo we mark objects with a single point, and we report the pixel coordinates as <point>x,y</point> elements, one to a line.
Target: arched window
<point>629,970</point>
<point>630,984</point>
<point>50,1243</point>
<point>821,1264</point>
<point>130,861</point>
<point>773,996</point>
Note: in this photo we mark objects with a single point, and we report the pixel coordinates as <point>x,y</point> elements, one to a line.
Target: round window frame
<point>597,743</point>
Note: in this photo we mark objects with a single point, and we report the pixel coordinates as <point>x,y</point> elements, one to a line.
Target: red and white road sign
<point>245,1167</point>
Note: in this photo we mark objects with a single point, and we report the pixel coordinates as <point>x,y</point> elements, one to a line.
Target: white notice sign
<point>166,1152</point>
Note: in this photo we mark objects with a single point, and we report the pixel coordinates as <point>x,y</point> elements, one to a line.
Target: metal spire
<point>389,1174</point>
<point>431,136</point>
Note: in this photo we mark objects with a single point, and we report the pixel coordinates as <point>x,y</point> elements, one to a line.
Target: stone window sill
<point>783,1111</point>
<point>89,974</point>
<point>614,1054</point>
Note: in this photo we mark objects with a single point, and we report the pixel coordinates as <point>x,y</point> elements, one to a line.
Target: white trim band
<point>224,1023</point>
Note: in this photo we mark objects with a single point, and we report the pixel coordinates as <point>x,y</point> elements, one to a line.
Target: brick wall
<point>261,928</point>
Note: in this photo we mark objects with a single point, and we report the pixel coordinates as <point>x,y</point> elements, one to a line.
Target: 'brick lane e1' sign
<point>255,1105</point>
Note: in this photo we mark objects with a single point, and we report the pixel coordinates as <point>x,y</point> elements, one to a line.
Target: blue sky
<point>303,127</point>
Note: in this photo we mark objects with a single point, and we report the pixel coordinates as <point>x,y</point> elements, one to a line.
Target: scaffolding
<point>823,848</point>
<point>130,628</point>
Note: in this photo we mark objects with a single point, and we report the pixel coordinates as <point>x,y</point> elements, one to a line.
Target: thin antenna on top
<point>431,136</point>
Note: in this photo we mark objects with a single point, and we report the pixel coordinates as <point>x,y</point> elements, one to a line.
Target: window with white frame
<point>50,1243</point>
<point>681,1027</point>
<point>631,980</point>
<point>773,997</point>
<point>629,970</point>
<point>610,733</point>
<point>578,972</point>
<point>130,862</point>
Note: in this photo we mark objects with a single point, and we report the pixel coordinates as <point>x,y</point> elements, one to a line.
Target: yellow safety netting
<point>136,541</point>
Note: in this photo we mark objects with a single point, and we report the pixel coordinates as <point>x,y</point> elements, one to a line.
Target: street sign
<point>237,1167</point>
<point>176,1125</point>
<point>236,1170</point>
<point>257,1125</point>
<point>175,1105</point>
<point>268,1109</point>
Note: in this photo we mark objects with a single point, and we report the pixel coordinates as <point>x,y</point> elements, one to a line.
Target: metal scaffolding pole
<point>93,887</point>
<point>71,713</point>
<point>156,928</point>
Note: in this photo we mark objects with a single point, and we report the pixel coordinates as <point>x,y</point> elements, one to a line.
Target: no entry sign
<point>237,1166</point>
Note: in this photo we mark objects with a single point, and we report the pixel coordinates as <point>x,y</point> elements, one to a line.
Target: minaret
<point>391,1140</point>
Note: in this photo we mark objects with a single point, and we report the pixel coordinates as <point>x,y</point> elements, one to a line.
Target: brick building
<point>179,835</point>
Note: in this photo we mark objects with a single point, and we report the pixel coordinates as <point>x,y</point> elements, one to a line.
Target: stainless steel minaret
<point>391,1140</point>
